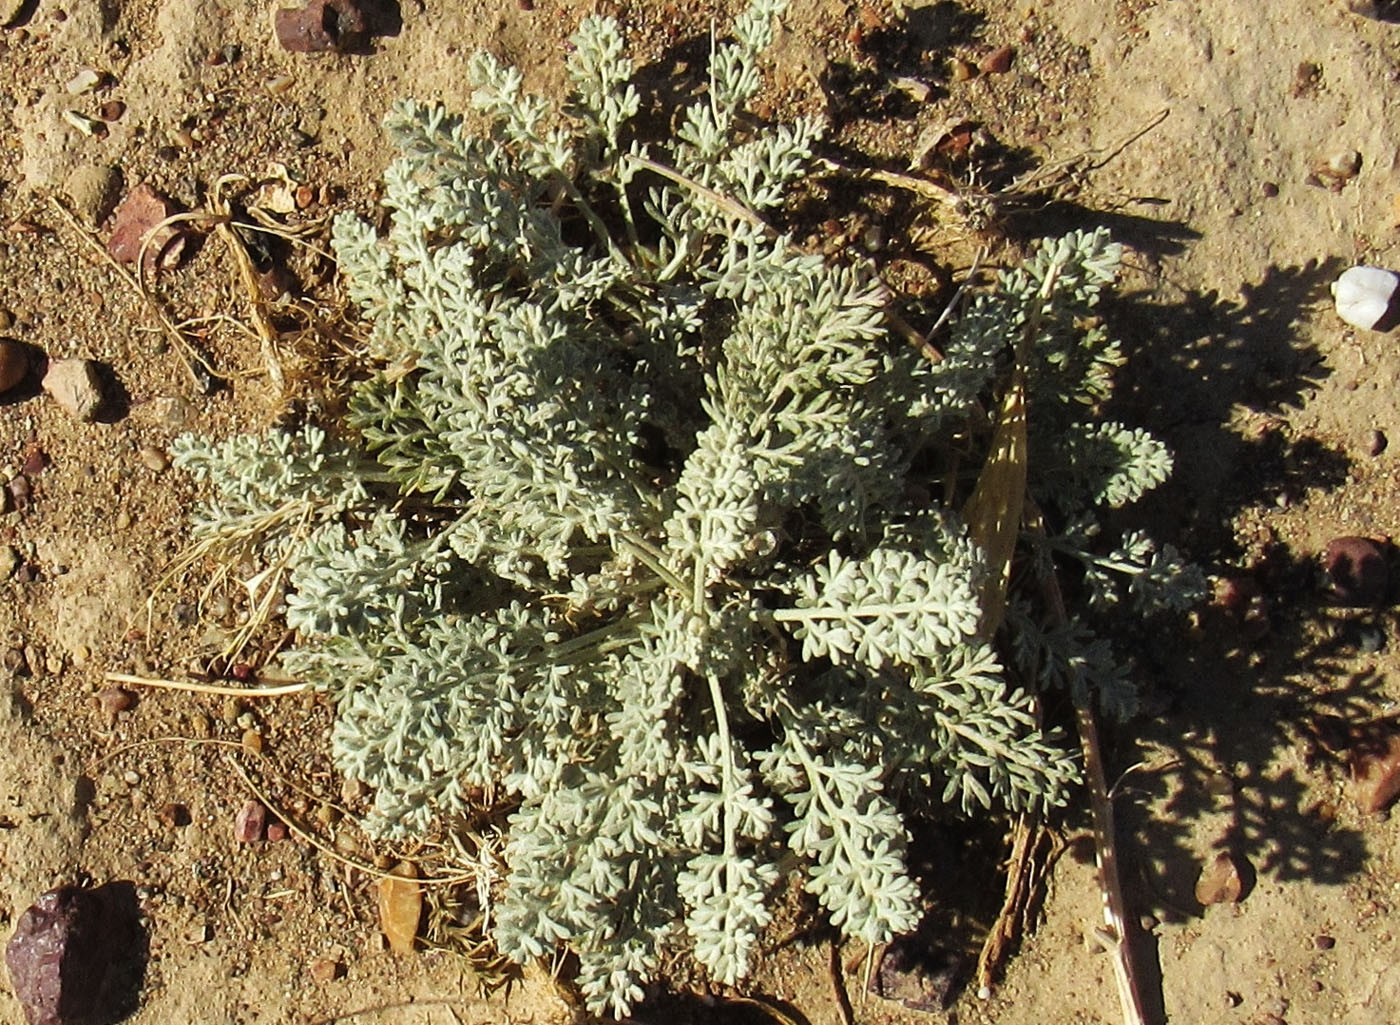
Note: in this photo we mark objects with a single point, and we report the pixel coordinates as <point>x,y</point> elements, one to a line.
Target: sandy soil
<point>1269,400</point>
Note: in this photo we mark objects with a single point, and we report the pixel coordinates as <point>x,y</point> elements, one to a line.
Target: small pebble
<point>141,214</point>
<point>84,81</point>
<point>130,777</point>
<point>252,741</point>
<point>353,790</point>
<point>249,824</point>
<point>960,70</point>
<point>75,386</point>
<point>1376,442</point>
<point>230,710</point>
<point>200,726</point>
<point>998,62</point>
<point>112,110</point>
<point>153,458</point>
<point>1375,772</point>
<point>14,363</point>
<point>123,519</point>
<point>1324,942</point>
<point>10,560</point>
<point>276,831</point>
<point>1270,189</point>
<point>325,969</point>
<point>1220,881</point>
<point>115,699</point>
<point>1355,571</point>
<point>1345,164</point>
<point>173,815</point>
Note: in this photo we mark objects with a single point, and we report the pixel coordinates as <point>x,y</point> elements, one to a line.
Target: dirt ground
<point>1193,129</point>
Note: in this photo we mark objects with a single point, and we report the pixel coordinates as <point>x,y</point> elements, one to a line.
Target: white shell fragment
<point>1364,296</point>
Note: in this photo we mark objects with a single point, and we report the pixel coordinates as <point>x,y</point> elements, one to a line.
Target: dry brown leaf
<point>993,512</point>
<point>400,907</point>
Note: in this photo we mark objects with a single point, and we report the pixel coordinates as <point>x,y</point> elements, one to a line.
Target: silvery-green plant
<point>625,534</point>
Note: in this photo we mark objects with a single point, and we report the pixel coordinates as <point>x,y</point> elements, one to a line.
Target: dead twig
<point>1117,934</point>
<point>1010,923</point>
<point>210,688</point>
<point>248,275</point>
<point>838,987</point>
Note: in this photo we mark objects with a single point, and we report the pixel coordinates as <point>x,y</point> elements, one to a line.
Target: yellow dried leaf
<point>400,907</point>
<point>993,512</point>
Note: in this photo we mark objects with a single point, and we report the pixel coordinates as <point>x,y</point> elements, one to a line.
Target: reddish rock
<point>998,62</point>
<point>322,26</point>
<point>113,700</point>
<point>1355,570</point>
<point>76,956</point>
<point>276,831</point>
<point>1375,769</point>
<point>250,823</point>
<point>141,215</point>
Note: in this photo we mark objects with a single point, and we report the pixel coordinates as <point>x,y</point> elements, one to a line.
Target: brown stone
<point>1356,571</point>
<point>1375,769</point>
<point>1221,881</point>
<point>998,62</point>
<point>322,26</point>
<point>14,363</point>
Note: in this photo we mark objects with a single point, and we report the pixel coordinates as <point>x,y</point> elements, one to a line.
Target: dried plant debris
<point>400,907</point>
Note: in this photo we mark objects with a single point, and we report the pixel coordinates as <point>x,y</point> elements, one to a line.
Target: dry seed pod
<point>1366,297</point>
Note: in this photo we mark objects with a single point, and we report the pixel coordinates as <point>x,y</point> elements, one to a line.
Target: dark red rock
<point>35,461</point>
<point>322,26</point>
<point>77,955</point>
<point>1356,572</point>
<point>1233,594</point>
<point>917,974</point>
